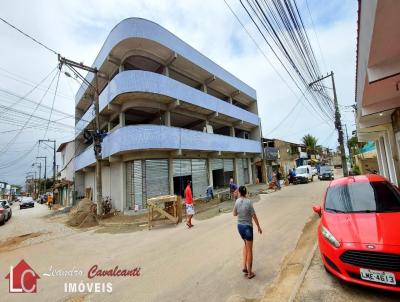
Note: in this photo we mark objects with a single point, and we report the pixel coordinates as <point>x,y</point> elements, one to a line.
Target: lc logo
<point>22,278</point>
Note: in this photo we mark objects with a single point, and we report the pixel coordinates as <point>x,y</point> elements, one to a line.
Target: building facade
<point>65,192</point>
<point>377,82</point>
<point>170,114</point>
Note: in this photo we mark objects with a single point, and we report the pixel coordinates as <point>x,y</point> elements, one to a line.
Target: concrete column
<point>210,176</point>
<point>378,157</point>
<point>394,158</point>
<point>109,127</point>
<point>167,118</point>
<point>235,171</point>
<point>123,186</point>
<point>121,68</point>
<point>122,119</point>
<point>166,71</point>
<point>382,151</point>
<point>232,131</point>
<point>230,100</point>
<point>171,175</point>
<point>204,88</point>
<point>251,176</point>
<point>389,157</point>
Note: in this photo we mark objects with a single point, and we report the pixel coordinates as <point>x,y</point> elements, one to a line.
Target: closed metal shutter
<point>138,184</point>
<point>129,186</point>
<point>182,167</point>
<point>216,164</point>
<point>239,164</point>
<point>228,165</point>
<point>246,170</point>
<point>199,177</point>
<point>156,178</point>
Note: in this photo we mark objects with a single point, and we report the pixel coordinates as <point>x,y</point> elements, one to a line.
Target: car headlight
<point>329,237</point>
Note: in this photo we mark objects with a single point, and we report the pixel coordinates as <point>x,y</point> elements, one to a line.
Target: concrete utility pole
<point>40,173</point>
<point>348,147</point>
<point>98,134</point>
<point>54,156</point>
<point>338,123</point>
<point>45,172</point>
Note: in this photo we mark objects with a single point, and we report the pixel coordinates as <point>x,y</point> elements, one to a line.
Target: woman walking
<point>189,205</point>
<point>245,212</point>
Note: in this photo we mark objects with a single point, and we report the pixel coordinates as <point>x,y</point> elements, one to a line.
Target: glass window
<point>363,197</point>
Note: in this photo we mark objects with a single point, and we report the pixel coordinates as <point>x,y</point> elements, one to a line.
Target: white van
<point>304,174</point>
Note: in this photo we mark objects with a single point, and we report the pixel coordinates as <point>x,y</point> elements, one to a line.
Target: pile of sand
<point>83,215</point>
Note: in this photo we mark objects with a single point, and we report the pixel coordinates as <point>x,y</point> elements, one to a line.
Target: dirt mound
<point>83,215</point>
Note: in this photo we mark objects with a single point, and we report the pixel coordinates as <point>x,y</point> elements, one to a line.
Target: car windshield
<point>363,197</point>
<point>301,170</point>
<point>27,199</point>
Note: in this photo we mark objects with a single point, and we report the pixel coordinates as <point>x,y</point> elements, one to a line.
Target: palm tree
<point>310,142</point>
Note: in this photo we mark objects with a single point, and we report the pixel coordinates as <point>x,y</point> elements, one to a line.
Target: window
<point>363,197</point>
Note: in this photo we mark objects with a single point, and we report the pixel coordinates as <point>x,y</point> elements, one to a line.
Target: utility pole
<point>40,173</point>
<point>98,134</point>
<point>45,172</point>
<point>348,147</point>
<point>54,156</point>
<point>338,123</point>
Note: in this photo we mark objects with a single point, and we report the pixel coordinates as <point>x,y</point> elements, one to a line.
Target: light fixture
<point>380,114</point>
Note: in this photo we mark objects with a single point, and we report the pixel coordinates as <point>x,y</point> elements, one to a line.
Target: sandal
<point>245,271</point>
<point>251,276</point>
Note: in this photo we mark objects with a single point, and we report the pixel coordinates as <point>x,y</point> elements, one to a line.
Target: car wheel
<point>3,221</point>
<point>312,178</point>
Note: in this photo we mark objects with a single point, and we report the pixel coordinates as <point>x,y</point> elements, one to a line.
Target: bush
<point>356,170</point>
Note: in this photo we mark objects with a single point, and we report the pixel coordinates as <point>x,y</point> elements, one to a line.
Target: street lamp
<point>45,171</point>
<point>40,173</point>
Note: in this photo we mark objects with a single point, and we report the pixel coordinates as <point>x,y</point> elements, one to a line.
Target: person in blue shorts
<point>244,210</point>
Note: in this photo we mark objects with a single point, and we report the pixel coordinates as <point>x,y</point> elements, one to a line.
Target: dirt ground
<point>177,264</point>
<point>320,285</point>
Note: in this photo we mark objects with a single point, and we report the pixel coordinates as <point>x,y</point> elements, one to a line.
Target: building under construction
<point>170,114</point>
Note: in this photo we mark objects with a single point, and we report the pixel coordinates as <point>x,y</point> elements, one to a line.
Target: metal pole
<point>97,147</point>
<point>40,175</point>
<point>338,125</point>
<point>54,164</point>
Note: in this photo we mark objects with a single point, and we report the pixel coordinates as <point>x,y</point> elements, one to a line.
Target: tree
<point>310,142</point>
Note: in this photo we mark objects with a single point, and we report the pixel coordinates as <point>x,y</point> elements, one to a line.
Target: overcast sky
<point>77,29</point>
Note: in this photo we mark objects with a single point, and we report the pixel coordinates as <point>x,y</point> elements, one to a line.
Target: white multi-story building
<point>171,115</point>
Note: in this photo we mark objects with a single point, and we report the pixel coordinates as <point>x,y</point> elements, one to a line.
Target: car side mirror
<point>318,210</point>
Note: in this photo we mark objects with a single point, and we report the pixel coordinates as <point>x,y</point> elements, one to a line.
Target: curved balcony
<point>137,28</point>
<point>154,137</point>
<point>149,82</point>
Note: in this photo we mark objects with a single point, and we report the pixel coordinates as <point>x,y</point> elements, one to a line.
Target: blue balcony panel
<point>143,81</point>
<point>144,29</point>
<point>154,137</point>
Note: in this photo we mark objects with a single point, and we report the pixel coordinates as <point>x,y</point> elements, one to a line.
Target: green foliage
<point>356,170</point>
<point>310,142</point>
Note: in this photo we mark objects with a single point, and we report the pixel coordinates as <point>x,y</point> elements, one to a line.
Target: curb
<point>303,274</point>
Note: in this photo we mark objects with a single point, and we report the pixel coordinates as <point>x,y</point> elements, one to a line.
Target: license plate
<point>377,276</point>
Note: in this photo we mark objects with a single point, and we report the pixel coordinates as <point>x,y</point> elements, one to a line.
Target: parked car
<point>304,174</point>
<point>358,234</point>
<point>326,173</point>
<point>5,211</point>
<point>26,202</point>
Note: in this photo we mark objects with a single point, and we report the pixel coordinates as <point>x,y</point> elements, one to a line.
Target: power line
<point>29,37</point>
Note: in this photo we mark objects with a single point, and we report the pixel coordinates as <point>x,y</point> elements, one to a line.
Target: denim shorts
<point>246,232</point>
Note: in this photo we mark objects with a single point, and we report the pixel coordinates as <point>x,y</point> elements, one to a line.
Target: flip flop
<point>245,271</point>
<point>251,276</point>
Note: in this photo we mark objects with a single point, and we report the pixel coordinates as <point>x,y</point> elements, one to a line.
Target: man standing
<point>232,189</point>
<point>189,205</point>
<point>278,179</point>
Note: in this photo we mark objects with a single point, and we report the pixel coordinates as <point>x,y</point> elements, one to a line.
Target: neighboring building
<point>287,155</point>
<point>378,82</point>
<point>65,192</point>
<point>366,160</point>
<point>171,115</point>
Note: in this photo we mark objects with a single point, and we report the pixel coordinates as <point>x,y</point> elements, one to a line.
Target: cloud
<point>78,29</point>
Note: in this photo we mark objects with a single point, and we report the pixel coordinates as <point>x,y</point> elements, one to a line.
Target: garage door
<point>182,167</point>
<point>156,177</point>
<point>199,177</point>
<point>228,165</point>
<point>217,164</point>
<point>240,172</point>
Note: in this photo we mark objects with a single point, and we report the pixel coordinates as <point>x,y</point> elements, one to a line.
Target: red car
<point>359,232</point>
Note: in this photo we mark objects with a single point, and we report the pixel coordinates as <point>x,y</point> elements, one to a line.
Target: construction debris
<point>83,215</point>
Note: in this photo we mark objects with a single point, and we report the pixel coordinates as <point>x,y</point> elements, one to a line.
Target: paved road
<point>177,264</point>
